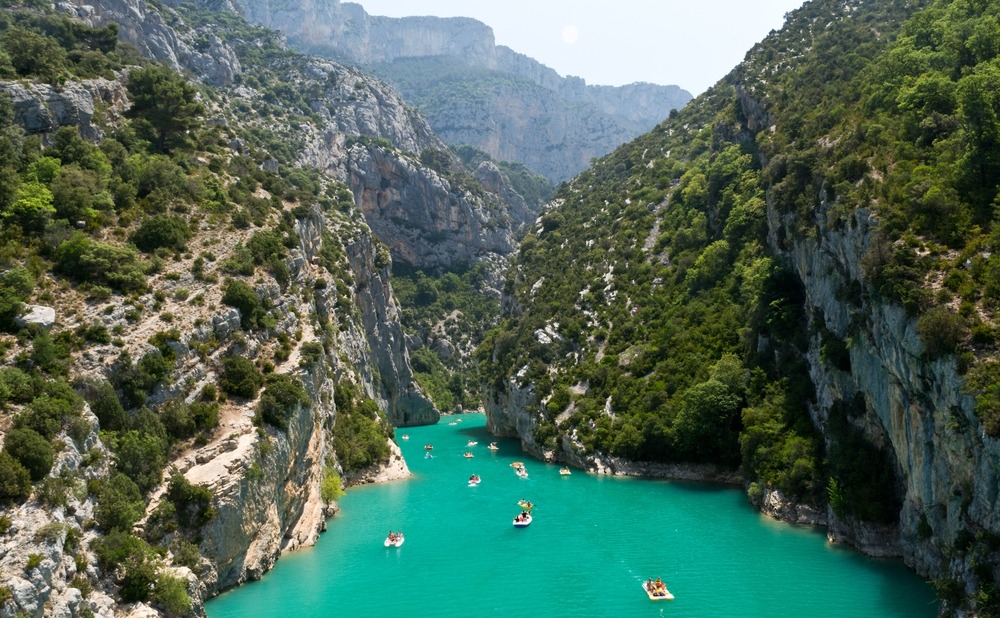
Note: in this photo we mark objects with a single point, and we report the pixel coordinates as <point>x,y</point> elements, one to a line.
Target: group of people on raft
<point>656,587</point>
<point>523,516</point>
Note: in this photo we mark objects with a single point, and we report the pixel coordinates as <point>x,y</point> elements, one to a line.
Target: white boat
<point>657,591</point>
<point>493,446</point>
<point>564,471</point>
<point>474,480</point>
<point>406,436</point>
<point>468,455</point>
<point>394,540</point>
<point>522,520</point>
<point>522,473</point>
<point>472,443</point>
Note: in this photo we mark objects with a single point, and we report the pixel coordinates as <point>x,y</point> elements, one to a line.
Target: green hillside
<point>656,312</point>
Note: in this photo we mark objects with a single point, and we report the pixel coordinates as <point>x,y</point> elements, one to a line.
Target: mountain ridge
<point>582,121</point>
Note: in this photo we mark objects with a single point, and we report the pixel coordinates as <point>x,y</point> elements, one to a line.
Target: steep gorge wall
<point>530,114</point>
<point>915,407</point>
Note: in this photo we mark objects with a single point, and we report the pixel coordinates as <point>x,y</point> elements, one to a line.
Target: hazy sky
<point>690,43</point>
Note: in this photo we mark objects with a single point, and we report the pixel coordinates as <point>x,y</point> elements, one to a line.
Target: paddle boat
<point>472,443</point>
<point>428,447</point>
<point>564,471</point>
<point>395,539</point>
<point>657,590</point>
<point>474,480</point>
<point>521,473</point>
<point>522,520</point>
<point>525,504</point>
<point>406,436</point>
<point>493,446</point>
<point>517,464</point>
<point>468,455</point>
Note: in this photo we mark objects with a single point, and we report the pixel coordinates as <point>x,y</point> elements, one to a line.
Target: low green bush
<point>240,377</point>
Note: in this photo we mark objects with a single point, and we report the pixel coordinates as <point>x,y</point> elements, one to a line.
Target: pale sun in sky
<point>570,34</point>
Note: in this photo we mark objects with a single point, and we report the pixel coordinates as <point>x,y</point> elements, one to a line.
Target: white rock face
<point>37,315</point>
<point>915,407</point>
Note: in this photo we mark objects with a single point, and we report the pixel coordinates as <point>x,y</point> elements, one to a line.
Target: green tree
<point>33,54</point>
<point>119,504</point>
<point>31,209</point>
<point>164,106</point>
<point>141,457</point>
<point>708,424</point>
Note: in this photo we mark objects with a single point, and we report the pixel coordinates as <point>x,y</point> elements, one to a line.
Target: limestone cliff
<point>505,103</point>
<point>333,294</point>
<point>360,132</point>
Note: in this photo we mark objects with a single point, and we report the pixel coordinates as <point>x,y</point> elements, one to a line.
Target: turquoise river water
<point>592,543</point>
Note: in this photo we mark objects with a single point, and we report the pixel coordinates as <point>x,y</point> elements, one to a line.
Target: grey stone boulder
<point>37,315</point>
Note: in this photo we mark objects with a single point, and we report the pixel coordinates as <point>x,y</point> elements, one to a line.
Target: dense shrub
<point>16,386</point>
<point>940,331</point>
<point>15,286</point>
<point>282,394</point>
<point>240,377</point>
<point>162,231</point>
<point>15,482</point>
<point>133,559</point>
<point>137,381</point>
<point>140,456</point>
<point>245,299</point>
<point>87,260</point>
<point>105,405</point>
<point>32,450</point>
<point>192,503</point>
<point>359,436</point>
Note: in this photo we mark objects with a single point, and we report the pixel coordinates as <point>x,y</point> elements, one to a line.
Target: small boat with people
<point>468,455</point>
<point>525,504</point>
<point>521,473</point>
<point>474,480</point>
<point>472,443</point>
<point>564,471</point>
<point>656,590</point>
<point>406,436</point>
<point>522,519</point>
<point>428,447</point>
<point>395,539</point>
<point>493,446</point>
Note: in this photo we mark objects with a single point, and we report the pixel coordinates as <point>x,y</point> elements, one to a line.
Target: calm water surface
<point>592,542</point>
